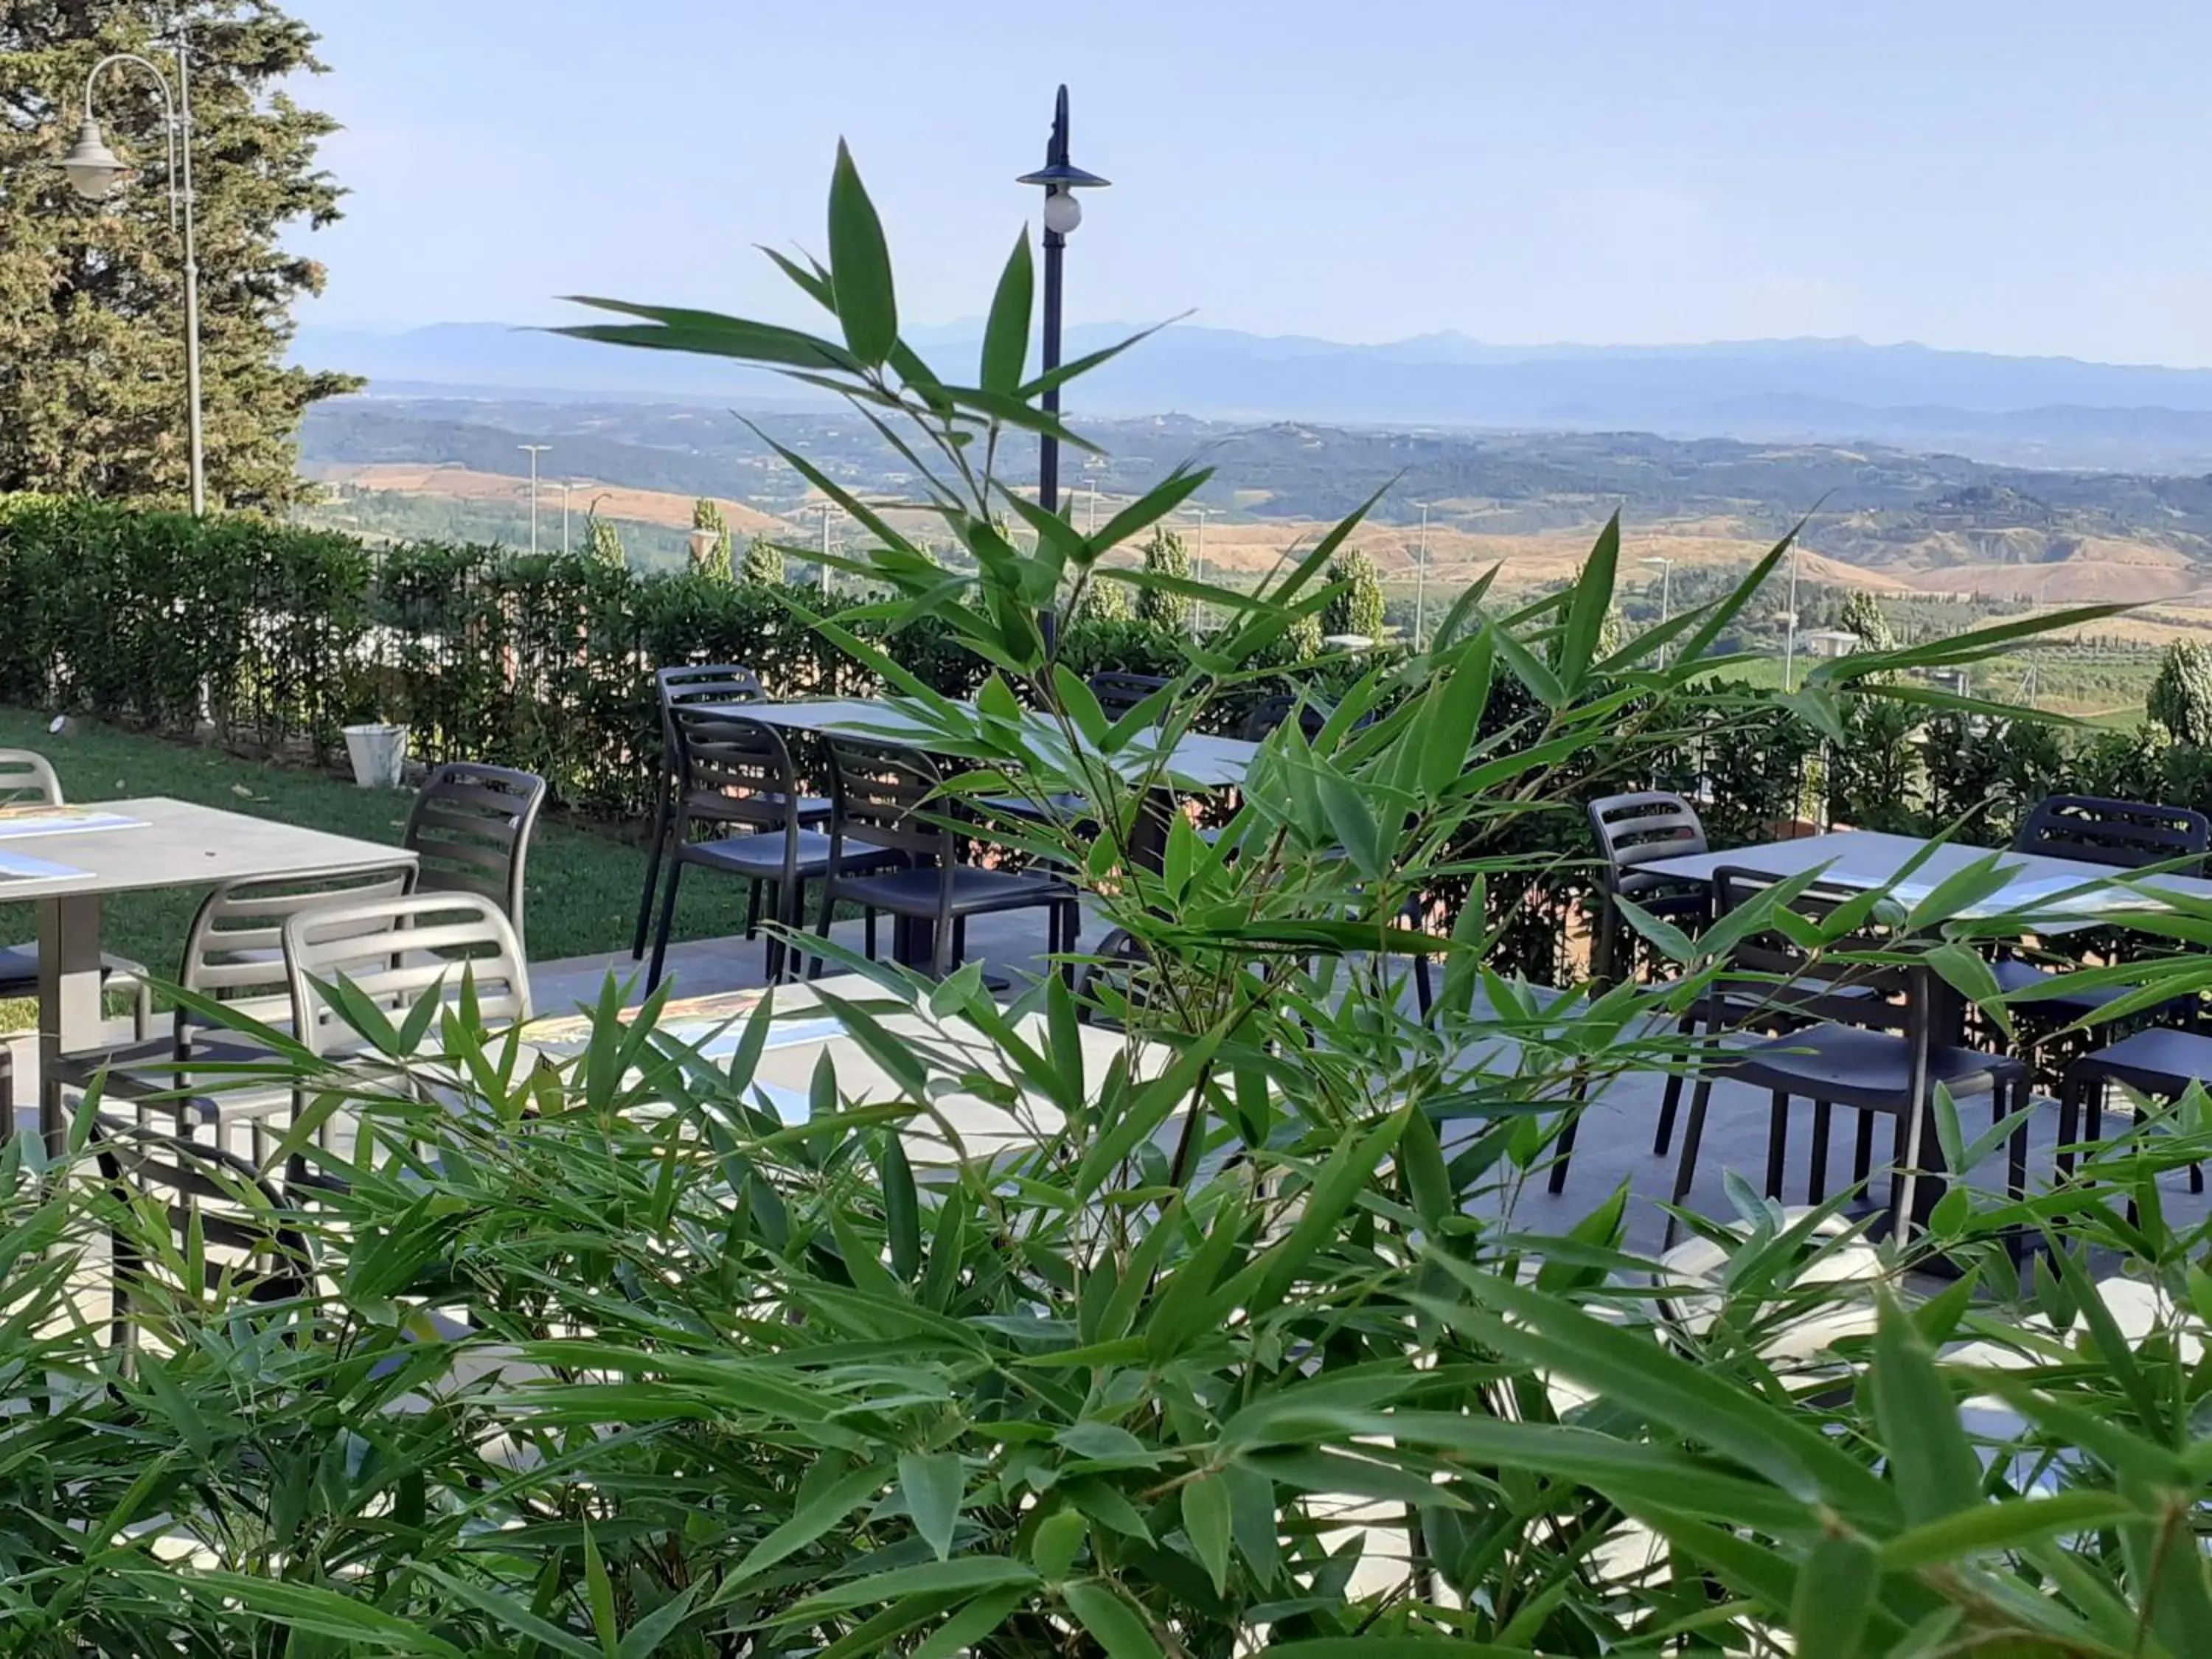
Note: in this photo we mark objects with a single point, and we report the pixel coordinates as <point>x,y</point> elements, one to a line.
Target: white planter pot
<point>378,753</point>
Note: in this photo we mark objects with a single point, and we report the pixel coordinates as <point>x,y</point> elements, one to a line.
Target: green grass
<point>583,882</point>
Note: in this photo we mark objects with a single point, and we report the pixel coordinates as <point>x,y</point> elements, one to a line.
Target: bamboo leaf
<point>1113,1623</point>
<point>860,266</point>
<point>932,1485</point>
<point>1007,333</point>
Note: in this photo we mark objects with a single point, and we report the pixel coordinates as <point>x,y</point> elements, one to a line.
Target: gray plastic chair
<point>2158,1061</point>
<point>886,801</point>
<point>1864,1039</point>
<point>28,778</point>
<point>470,829</point>
<point>234,955</point>
<point>2119,834</point>
<point>736,774</point>
<point>686,686</point>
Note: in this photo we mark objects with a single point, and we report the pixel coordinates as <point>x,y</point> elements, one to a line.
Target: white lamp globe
<point>1062,212</point>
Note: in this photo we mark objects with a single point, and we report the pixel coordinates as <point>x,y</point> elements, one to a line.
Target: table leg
<point>69,997</point>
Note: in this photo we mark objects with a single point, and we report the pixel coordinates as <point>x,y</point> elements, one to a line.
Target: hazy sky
<point>1996,175</point>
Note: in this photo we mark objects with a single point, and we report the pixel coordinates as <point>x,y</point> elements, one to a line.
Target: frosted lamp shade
<point>93,169</point>
<point>1062,212</point>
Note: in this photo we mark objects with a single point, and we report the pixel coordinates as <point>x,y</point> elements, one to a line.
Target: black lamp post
<point>1060,178</point>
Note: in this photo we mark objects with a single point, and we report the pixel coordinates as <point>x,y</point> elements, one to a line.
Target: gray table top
<point>1197,759</point>
<point>1868,858</point>
<point>175,843</point>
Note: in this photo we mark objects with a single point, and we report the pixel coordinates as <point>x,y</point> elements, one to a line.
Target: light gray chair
<point>27,778</point>
<point>234,955</point>
<point>395,951</point>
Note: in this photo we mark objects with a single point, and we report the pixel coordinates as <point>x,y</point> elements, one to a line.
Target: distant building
<point>1829,642</point>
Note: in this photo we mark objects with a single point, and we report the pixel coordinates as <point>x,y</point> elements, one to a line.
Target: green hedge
<point>274,634</point>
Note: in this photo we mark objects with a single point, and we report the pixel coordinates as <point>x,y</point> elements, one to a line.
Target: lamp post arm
<point>177,129</point>
<point>168,113</point>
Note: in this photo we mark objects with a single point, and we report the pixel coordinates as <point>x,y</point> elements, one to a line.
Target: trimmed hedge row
<point>274,634</point>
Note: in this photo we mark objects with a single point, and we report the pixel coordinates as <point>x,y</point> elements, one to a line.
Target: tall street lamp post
<point>95,171</point>
<point>1060,178</point>
<point>536,450</point>
<point>1666,595</point>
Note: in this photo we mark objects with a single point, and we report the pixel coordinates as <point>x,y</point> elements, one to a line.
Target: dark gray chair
<point>470,830</point>
<point>2118,835</point>
<point>2158,1061</point>
<point>886,801</point>
<point>1118,692</point>
<point>736,775</point>
<point>687,686</point>
<point>1633,830</point>
<point>1864,1039</point>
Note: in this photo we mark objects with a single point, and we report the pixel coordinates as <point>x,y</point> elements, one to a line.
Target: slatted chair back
<point>1769,967</point>
<point>689,684</point>
<point>733,771</point>
<point>1640,828</point>
<point>886,797</point>
<point>1271,711</point>
<point>27,778</point>
<point>1119,691</point>
<point>208,1193</point>
<point>234,953</point>
<point>2123,834</point>
<point>397,950</point>
<point>470,829</point>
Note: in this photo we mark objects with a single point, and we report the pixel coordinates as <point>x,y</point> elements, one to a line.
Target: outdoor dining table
<point>1196,759</point>
<point>65,860</point>
<point>2059,896</point>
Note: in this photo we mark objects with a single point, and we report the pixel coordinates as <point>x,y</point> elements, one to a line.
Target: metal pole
<point>825,550</point>
<point>195,434</point>
<point>1198,572</point>
<point>536,450</point>
<point>1790,639</point>
<point>566,486</point>
<point>1421,581</point>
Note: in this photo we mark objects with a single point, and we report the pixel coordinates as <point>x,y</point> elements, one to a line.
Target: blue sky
<point>2021,177</point>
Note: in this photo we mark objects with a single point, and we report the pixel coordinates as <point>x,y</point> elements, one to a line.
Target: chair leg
<point>752,908</point>
<point>1862,1154</point>
<point>2069,1123</point>
<point>946,939</point>
<point>652,865</point>
<point>1778,1142</point>
<point>1424,990</point>
<point>1686,1170</point>
<point>1816,1186</point>
<point>1565,1149</point>
<point>821,924</point>
<point>1672,1098</point>
<point>867,929</point>
<point>959,945</point>
<point>667,923</point>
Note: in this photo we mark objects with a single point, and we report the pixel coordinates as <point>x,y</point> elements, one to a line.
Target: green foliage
<point>1051,1339</point>
<point>1862,615</point>
<point>1357,608</point>
<point>2181,696</point>
<point>1103,601</point>
<point>92,395</point>
<point>603,541</point>
<point>763,564</point>
<point>1165,608</point>
<point>707,514</point>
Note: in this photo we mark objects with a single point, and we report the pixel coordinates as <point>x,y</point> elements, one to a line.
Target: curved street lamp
<point>95,171</point>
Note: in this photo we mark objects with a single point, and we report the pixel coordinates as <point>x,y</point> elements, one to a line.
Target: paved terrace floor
<point>1614,1144</point>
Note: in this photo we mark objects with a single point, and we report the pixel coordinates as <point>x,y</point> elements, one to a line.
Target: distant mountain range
<point>2034,411</point>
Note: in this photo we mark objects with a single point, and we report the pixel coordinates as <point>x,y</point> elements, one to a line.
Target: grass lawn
<point>583,881</point>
